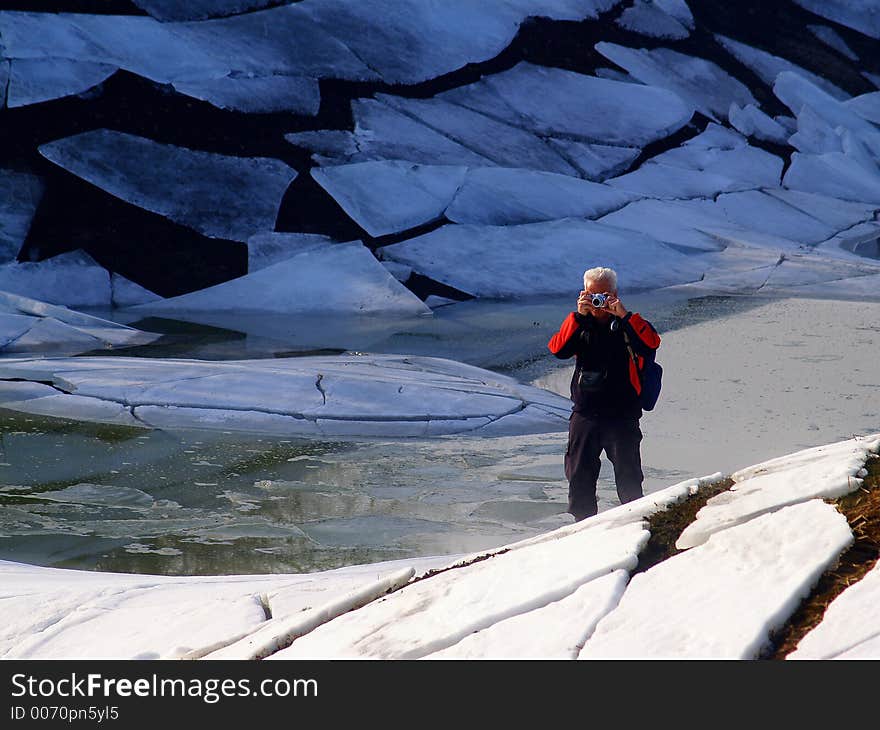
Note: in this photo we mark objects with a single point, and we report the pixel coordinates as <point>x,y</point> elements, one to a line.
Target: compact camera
<point>598,300</point>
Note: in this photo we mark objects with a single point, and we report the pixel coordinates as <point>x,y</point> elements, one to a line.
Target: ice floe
<point>375,395</point>
<point>168,10</point>
<point>651,18</point>
<point>29,325</point>
<point>339,278</point>
<point>723,599</point>
<point>866,106</point>
<point>539,258</point>
<point>33,80</point>
<point>706,86</point>
<point>257,94</point>
<point>752,122</point>
<point>699,171</point>
<point>20,195</point>
<point>823,472</point>
<point>832,39</point>
<point>833,174</point>
<point>768,67</point>
<point>265,249</point>
<point>528,117</point>
<point>861,15</point>
<point>73,279</point>
<point>392,196</point>
<point>217,195</point>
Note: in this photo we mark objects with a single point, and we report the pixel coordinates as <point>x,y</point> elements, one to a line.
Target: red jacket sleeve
<point>644,331</point>
<point>568,329</point>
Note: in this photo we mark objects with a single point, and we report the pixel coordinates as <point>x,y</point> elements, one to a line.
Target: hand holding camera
<point>588,303</point>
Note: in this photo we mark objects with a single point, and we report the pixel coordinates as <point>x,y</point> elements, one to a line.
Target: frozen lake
<point>746,379</point>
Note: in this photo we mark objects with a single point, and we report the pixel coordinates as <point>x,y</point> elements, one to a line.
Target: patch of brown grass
<point>862,510</point>
<point>666,526</point>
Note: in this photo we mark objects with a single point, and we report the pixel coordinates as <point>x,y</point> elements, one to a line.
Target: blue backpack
<point>650,376</point>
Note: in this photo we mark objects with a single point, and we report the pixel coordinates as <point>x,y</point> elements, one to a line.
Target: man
<point>605,390</point>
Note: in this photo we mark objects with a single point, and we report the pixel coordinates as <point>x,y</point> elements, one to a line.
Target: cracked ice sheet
<point>20,195</point>
<point>410,41</point>
<point>168,10</point>
<point>826,472</point>
<point>56,613</point>
<point>697,81</point>
<point>218,195</point>
<point>525,636</point>
<point>768,67</point>
<point>866,106</point>
<point>265,249</point>
<point>556,102</point>
<point>539,258</point>
<point>861,15</point>
<point>308,396</point>
<point>848,629</point>
<point>435,613</point>
<point>723,599</point>
<point>693,171</point>
<point>339,278</point>
<point>32,81</point>
<point>393,196</point>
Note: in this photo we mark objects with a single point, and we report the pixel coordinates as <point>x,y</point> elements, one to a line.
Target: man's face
<point>599,286</point>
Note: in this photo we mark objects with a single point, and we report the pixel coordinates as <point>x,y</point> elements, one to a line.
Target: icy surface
<point>265,249</point>
<point>768,67</point>
<point>848,629</point>
<point>218,195</point>
<point>257,95</point>
<point>500,196</point>
<point>341,396</point>
<point>528,117</point>
<point>166,10</point>
<point>20,195</point>
<point>72,279</point>
<point>337,278</point>
<point>648,18</point>
<point>49,612</point>
<point>831,38</point>
<point>866,106</point>
<point>125,293</point>
<point>862,15</point>
<point>833,174</point>
<point>525,636</point>
<point>391,196</point>
<point>824,472</point>
<point>29,325</point>
<point>696,171</point>
<point>724,598</point>
<point>34,80</point>
<point>552,101</point>
<point>752,122</point>
<point>538,258</point>
<point>797,92</point>
<point>433,614</point>
<point>699,82</point>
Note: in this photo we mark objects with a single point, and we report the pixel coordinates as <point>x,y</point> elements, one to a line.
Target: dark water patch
<point>163,256</point>
<point>92,7</point>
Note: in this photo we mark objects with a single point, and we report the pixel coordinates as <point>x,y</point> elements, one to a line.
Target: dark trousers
<point>587,437</point>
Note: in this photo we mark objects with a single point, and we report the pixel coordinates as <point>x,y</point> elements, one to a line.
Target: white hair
<point>600,273</point>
